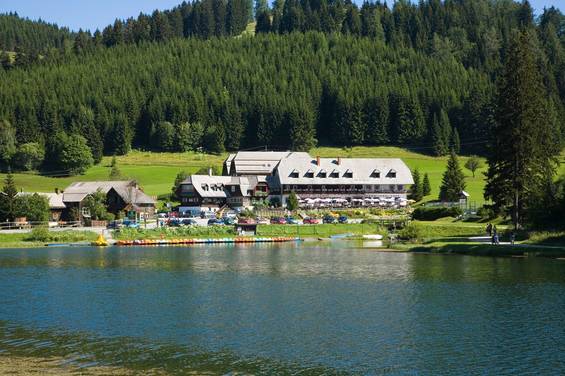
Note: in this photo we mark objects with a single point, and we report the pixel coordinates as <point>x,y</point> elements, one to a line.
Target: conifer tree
<point>455,142</point>
<point>453,181</point>
<point>417,190</point>
<point>115,173</point>
<point>438,141</point>
<point>426,186</point>
<point>522,155</point>
<point>8,198</point>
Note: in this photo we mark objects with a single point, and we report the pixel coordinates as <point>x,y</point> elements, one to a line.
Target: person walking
<point>489,229</point>
<point>512,237</point>
<point>495,235</point>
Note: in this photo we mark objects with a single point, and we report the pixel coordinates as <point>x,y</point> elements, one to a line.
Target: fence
<point>31,224</point>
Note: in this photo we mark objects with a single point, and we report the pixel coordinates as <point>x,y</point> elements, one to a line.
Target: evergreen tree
<point>438,141</point>
<point>455,142</point>
<point>115,173</point>
<point>263,22</point>
<point>522,155</point>
<point>7,143</point>
<point>453,182</point>
<point>426,186</point>
<point>417,190</point>
<point>292,201</point>
<point>7,199</point>
<point>181,176</point>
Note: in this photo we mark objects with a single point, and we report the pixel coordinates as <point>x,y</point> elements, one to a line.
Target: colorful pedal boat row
<point>204,241</point>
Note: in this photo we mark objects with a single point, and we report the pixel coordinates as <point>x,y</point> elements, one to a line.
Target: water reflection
<point>282,309</point>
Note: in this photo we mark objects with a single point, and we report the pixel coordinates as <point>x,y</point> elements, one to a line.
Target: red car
<point>278,221</point>
<point>311,221</point>
<point>246,221</point>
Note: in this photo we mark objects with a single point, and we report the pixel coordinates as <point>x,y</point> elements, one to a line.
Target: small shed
<point>246,229</point>
<point>464,199</point>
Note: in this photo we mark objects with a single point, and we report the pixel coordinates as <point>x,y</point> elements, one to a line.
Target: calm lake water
<point>284,309</point>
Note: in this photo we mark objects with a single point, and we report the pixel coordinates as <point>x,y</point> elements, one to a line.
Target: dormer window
<point>294,174</point>
<point>205,187</point>
<point>322,174</point>
<point>309,174</point>
<point>348,174</point>
<point>391,174</point>
<point>376,174</point>
<point>334,174</point>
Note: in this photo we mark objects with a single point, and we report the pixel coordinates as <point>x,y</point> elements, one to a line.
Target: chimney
<point>318,160</point>
<point>338,161</point>
<point>210,172</point>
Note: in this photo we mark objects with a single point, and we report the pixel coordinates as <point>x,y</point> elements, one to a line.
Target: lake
<point>308,309</point>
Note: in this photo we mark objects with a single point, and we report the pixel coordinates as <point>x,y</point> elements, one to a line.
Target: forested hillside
<point>285,91</point>
<point>317,72</point>
<point>18,33</point>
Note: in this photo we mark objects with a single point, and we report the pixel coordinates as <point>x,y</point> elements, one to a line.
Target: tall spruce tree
<point>522,154</point>
<point>417,190</point>
<point>8,199</point>
<point>426,186</point>
<point>453,181</point>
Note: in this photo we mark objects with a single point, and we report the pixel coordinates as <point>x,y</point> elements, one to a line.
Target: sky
<point>93,14</point>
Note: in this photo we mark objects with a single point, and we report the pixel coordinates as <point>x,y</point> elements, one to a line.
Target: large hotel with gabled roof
<point>318,182</point>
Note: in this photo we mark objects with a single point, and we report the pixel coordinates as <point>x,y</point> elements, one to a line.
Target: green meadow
<point>156,172</point>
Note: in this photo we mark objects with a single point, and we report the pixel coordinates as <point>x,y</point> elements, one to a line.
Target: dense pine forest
<point>33,37</point>
<point>317,72</point>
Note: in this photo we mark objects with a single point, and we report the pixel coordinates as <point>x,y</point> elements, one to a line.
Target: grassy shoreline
<point>37,239</point>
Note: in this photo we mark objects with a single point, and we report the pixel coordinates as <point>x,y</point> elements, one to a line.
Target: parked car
<point>188,222</point>
<point>207,215</point>
<point>215,222</point>
<point>174,222</point>
<point>114,225</point>
<point>130,224</point>
<point>278,221</point>
<point>342,219</point>
<point>230,214</point>
<point>246,221</point>
<point>328,219</point>
<point>228,221</point>
<point>292,221</point>
<point>263,221</point>
<point>311,221</point>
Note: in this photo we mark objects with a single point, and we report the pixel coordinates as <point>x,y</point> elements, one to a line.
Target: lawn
<point>155,172</point>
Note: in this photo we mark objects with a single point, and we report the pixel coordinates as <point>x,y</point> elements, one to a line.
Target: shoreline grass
<point>33,240</point>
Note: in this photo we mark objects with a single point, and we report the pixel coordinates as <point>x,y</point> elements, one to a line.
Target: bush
<point>411,233</point>
<point>39,234</point>
<point>432,213</point>
<point>486,212</point>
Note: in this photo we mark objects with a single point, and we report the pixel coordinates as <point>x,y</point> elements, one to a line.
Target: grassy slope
<point>156,171</point>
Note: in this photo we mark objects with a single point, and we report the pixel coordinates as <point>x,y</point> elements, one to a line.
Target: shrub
<point>39,234</point>
<point>486,212</point>
<point>411,233</point>
<point>432,213</point>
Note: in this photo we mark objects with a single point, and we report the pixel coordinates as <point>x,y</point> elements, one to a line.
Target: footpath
<point>488,240</point>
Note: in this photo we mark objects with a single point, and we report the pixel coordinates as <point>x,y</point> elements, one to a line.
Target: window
<point>294,174</point>
<point>233,188</point>
<point>322,174</point>
<point>309,174</point>
<point>334,174</point>
<point>391,174</point>
<point>376,174</point>
<point>348,174</point>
